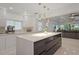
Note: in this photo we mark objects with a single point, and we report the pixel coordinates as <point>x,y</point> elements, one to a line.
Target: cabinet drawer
<point>77,36</point>
<point>49,45</point>
<point>52,42</point>
<point>50,39</point>
<point>39,50</point>
<point>50,51</point>
<point>57,36</point>
<point>53,38</point>
<point>39,47</point>
<point>39,43</point>
<point>43,53</point>
<point>53,49</point>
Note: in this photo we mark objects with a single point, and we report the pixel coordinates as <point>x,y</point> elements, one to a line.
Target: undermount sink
<point>42,34</point>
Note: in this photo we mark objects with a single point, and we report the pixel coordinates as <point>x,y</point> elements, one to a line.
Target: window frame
<point>15,23</point>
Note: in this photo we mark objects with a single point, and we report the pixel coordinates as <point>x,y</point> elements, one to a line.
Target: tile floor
<point>69,47</point>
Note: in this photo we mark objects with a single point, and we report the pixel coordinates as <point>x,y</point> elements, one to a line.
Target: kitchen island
<point>46,43</point>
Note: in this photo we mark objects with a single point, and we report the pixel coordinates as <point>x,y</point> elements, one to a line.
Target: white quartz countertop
<point>37,36</point>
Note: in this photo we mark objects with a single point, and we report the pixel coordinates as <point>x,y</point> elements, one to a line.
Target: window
<point>16,24</point>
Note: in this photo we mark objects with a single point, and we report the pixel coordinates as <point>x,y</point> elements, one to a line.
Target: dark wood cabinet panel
<point>73,35</point>
<point>39,46</point>
<point>47,46</point>
<point>53,49</point>
<point>77,35</point>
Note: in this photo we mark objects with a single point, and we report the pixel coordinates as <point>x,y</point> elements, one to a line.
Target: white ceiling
<point>32,8</point>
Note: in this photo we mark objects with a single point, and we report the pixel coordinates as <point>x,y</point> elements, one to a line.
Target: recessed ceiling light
<point>10,8</point>
<point>39,3</point>
<point>48,9</point>
<point>36,13</point>
<point>44,6</point>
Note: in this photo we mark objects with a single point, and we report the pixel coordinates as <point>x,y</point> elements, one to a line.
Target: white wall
<point>62,11</point>
<point>2,19</point>
<point>27,20</point>
<point>31,20</point>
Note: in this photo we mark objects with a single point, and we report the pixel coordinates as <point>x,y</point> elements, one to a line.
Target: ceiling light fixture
<point>11,8</point>
<point>39,3</point>
<point>48,9</point>
<point>44,6</point>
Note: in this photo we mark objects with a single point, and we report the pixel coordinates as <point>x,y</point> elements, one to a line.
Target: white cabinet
<point>7,44</point>
<point>10,42</point>
<point>2,43</point>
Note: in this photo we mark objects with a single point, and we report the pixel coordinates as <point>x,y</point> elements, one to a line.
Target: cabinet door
<point>77,36</point>
<point>2,45</point>
<point>10,42</point>
<point>7,44</point>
